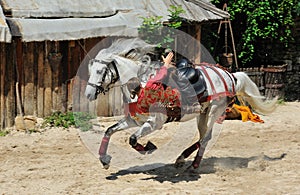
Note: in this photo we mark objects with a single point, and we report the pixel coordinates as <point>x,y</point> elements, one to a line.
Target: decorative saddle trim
<point>217,95</point>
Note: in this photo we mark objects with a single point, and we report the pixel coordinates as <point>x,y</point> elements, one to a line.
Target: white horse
<point>127,58</point>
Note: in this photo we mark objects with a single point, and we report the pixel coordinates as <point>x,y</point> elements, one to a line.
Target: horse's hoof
<point>150,147</point>
<point>105,160</point>
<point>179,162</point>
<point>192,169</point>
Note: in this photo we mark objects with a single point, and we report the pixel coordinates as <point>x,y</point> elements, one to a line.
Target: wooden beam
<point>2,85</point>
<point>47,81</point>
<point>198,38</point>
<point>28,71</point>
<point>40,78</point>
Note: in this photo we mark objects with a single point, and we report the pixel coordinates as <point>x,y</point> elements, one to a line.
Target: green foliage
<point>296,11</point>
<point>66,120</point>
<point>175,20</point>
<point>281,102</point>
<point>152,30</point>
<point>259,20</point>
<point>4,132</point>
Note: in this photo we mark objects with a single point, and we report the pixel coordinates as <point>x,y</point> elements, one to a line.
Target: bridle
<point>110,68</point>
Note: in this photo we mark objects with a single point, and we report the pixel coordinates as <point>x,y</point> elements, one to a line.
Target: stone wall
<point>291,57</point>
<point>292,89</point>
<point>292,81</point>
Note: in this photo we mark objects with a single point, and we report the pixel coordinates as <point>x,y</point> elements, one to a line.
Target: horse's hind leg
<point>200,145</point>
<point>215,111</point>
<point>186,153</point>
<point>200,153</point>
<point>124,123</point>
<point>201,119</point>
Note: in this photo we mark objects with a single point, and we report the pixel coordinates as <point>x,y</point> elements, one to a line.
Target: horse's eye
<point>99,71</point>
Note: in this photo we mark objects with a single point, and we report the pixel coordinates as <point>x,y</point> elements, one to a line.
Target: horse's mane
<point>133,49</point>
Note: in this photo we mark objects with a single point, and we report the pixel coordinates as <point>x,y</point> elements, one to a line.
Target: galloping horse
<point>127,58</point>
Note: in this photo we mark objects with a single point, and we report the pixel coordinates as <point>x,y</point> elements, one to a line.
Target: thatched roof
<point>38,20</point>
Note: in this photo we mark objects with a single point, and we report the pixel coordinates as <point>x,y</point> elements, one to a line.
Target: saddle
<point>190,80</point>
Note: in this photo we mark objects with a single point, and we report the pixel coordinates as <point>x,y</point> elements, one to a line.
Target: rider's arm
<point>163,71</point>
<point>160,75</point>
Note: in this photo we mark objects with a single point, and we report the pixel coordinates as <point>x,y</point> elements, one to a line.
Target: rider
<point>157,94</point>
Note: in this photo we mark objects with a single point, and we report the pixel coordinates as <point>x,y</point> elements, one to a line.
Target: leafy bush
<point>4,132</point>
<point>66,120</point>
<point>152,30</point>
<point>281,101</point>
<point>256,21</point>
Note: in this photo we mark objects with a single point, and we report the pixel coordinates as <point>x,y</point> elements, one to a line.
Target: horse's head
<point>102,75</point>
<point>124,59</point>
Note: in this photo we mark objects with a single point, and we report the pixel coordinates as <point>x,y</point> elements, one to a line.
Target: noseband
<point>110,67</point>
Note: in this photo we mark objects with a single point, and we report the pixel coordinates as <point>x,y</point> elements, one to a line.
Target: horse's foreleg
<point>153,123</point>
<point>120,125</point>
<point>146,129</point>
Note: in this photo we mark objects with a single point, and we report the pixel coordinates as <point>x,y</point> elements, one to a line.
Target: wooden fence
<point>269,79</point>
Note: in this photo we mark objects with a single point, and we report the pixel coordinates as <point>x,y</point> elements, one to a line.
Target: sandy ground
<point>248,158</point>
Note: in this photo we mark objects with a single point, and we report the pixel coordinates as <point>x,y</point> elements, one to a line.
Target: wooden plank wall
<point>7,85</point>
<point>109,104</point>
<point>51,76</point>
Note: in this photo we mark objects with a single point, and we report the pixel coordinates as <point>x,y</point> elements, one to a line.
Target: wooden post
<point>227,22</point>
<point>19,72</point>
<point>40,78</point>
<point>74,58</point>
<point>2,84</point>
<point>10,86</point>
<point>47,82</point>
<point>29,88</point>
<point>55,58</point>
<point>198,38</point>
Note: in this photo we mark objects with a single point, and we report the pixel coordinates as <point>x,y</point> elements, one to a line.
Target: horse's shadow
<point>168,172</point>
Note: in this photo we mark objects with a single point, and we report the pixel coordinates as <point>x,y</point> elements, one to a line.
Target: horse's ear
<point>131,54</point>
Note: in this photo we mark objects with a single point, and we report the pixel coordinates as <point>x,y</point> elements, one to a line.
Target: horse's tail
<point>249,92</point>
